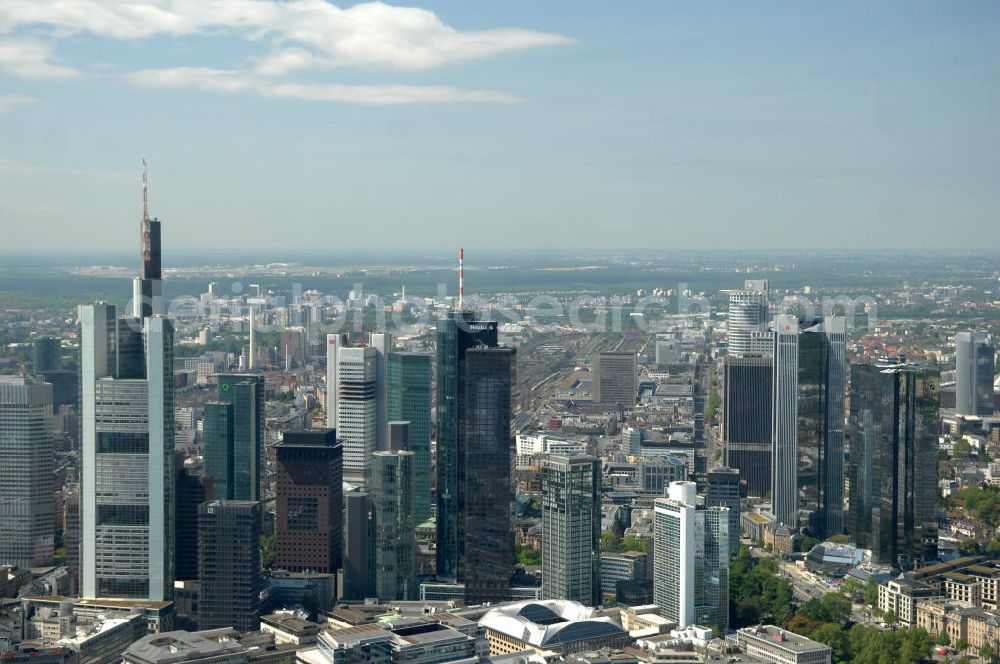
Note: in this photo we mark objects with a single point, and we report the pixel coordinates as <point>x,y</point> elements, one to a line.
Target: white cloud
<point>368,34</point>
<point>30,58</point>
<point>232,81</point>
<point>7,102</point>
<point>298,35</point>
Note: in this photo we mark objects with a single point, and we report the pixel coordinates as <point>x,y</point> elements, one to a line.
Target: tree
<point>962,645</point>
<point>840,538</point>
<point>961,448</point>
<point>891,618</point>
<point>970,547</point>
<point>836,607</point>
<point>943,639</point>
<point>871,591</point>
<point>804,543</point>
<point>267,552</point>
<point>852,587</point>
<point>986,652</point>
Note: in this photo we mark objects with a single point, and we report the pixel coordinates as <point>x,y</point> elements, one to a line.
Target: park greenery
<point>610,542</point>
<point>758,594</point>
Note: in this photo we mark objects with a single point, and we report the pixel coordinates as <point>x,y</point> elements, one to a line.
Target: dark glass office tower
<point>893,432</point>
<point>234,440</point>
<point>409,399</point>
<point>395,542</point>
<point>724,491</point>
<point>308,532</point>
<point>456,334</point>
<point>489,543</point>
<point>746,420</point>
<point>359,544</point>
<point>229,565</point>
<point>808,435</point>
<point>191,490</point>
<point>46,354</point>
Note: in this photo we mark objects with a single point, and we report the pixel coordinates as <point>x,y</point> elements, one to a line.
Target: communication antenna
<point>461,277</point>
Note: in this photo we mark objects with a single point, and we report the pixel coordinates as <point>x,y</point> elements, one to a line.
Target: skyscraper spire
<point>147,289</point>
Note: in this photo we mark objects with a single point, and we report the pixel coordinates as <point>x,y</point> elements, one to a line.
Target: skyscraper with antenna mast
<point>147,288</point>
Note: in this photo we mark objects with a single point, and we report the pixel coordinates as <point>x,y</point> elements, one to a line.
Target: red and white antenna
<point>461,276</point>
<point>145,200</point>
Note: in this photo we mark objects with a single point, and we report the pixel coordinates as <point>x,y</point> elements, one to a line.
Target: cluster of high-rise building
<point>832,459</point>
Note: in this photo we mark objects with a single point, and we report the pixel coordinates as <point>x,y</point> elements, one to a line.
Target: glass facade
<point>392,511</point>
<point>456,334</point>
<point>746,421</point>
<point>409,397</point>
<point>894,428</point>
<point>571,528</point>
<point>489,454</point>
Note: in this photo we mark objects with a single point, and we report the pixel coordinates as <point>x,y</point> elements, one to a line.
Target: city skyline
<point>681,127</point>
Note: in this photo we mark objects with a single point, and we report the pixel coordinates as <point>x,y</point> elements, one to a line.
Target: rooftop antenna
<point>461,277</point>
<point>145,198</point>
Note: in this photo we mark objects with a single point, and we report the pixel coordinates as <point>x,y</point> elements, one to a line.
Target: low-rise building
<point>561,626</point>
<point>214,646</point>
<point>773,644</point>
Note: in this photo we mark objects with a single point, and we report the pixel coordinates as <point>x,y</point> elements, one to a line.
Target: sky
<point>305,124</point>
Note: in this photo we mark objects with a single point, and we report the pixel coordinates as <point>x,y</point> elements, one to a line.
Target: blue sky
<point>674,125</point>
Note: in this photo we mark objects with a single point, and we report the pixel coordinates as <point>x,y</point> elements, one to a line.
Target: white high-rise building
<point>333,343</point>
<point>357,409</point>
<point>747,318</point>
<point>690,558</point>
<point>127,455</point>
<point>27,467</point>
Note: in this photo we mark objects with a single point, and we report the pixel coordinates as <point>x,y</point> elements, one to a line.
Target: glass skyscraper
<point>229,564</point>
<point>409,397</point>
<point>489,543</point>
<point>893,433</point>
<point>571,528</point>
<point>392,514</point>
<point>234,438</point>
<point>456,334</point>
<point>808,430</point>
<point>127,455</point>
<point>975,358</point>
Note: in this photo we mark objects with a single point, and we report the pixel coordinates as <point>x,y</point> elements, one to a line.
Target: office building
<point>229,564</point>
<point>690,559</point>
<point>334,342</point>
<point>359,545</point>
<point>27,471</point>
<point>571,528</point>
<point>768,643</point>
<point>46,354</point>
<point>892,467</point>
<point>309,502</point>
<point>357,408</point>
<point>975,358</point>
<point>628,567</point>
<point>747,420</point>
<point>490,381</point>
<point>382,342</point>
<point>127,452</point>
<point>191,490</point>
<point>392,516</point>
<point>748,312</point>
<point>654,474</point>
<point>293,347</point>
<point>234,437</point>
<point>723,490</point>
<point>543,626</point>
<point>615,378</point>
<point>409,400</point>
<point>808,431</point>
<point>456,334</point>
